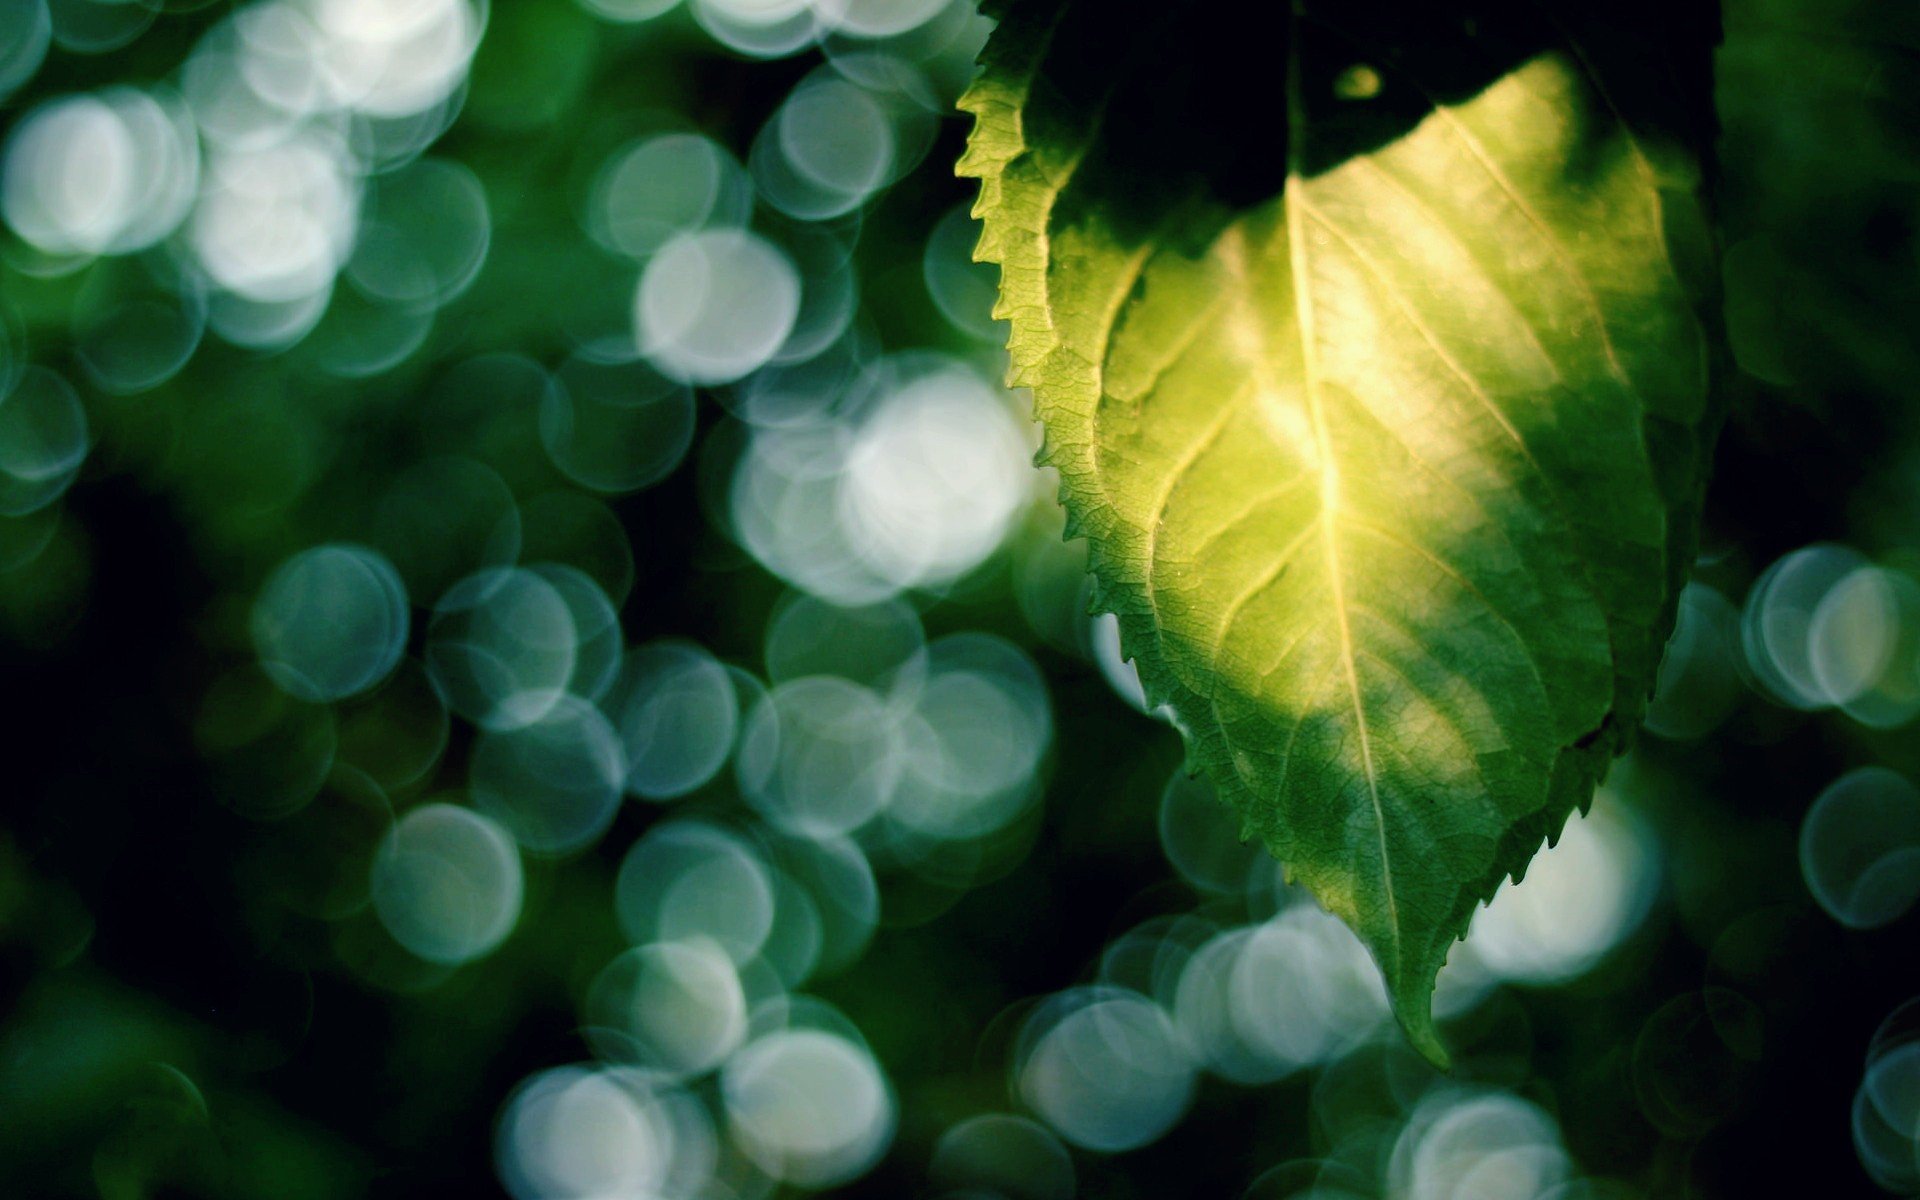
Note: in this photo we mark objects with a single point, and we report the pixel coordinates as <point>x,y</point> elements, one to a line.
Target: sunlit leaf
<point>1366,345</point>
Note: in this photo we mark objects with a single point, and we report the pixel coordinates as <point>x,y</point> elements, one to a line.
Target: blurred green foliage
<point>262,287</point>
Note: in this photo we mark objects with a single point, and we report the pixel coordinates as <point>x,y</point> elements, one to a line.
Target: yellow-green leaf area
<point>1365,340</point>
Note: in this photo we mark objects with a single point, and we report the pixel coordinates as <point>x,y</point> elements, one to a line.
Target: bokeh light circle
<point>1000,1154</point>
<point>819,756</point>
<point>331,622</point>
<point>677,720</point>
<point>554,782</point>
<point>44,439</point>
<point>581,1132</point>
<point>1105,1068</point>
<point>691,879</point>
<point>810,1107</point>
<point>715,304</point>
<point>502,646</point>
<point>672,1009</point>
<point>1581,897</point>
<point>1860,847</point>
<point>663,186</point>
<point>447,884</point>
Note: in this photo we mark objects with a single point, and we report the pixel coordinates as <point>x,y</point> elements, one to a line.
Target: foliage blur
<point>537,662</point>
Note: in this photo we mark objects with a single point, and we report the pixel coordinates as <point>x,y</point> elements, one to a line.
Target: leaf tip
<point>1415,1015</point>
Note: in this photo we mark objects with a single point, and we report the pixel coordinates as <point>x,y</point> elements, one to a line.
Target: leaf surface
<point>1365,342</point>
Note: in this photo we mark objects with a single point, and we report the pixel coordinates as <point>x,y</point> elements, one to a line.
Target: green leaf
<point>1366,345</point>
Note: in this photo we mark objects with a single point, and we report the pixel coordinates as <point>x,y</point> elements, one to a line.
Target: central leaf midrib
<point>1291,202</point>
